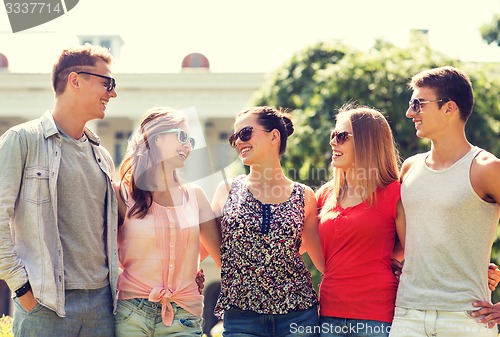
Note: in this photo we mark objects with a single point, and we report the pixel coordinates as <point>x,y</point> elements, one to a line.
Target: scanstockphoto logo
<point>28,14</point>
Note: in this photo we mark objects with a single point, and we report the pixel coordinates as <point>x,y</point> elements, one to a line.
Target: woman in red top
<point>360,217</point>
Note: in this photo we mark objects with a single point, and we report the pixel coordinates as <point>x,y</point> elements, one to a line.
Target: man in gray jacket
<point>58,212</point>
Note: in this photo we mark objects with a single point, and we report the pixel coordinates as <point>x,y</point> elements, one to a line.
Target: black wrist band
<point>23,290</point>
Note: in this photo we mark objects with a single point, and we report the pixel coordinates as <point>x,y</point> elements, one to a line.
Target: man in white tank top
<point>451,198</point>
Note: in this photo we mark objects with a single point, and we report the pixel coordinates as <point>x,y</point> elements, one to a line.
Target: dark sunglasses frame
<point>416,104</point>
<point>340,137</point>
<point>182,136</point>
<point>245,134</point>
<point>111,81</point>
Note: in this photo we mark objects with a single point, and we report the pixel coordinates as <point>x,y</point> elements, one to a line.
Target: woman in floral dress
<point>267,222</point>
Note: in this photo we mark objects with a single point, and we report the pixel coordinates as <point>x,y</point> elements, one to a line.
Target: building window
<point>121,143</point>
<point>223,136</point>
<point>106,44</point>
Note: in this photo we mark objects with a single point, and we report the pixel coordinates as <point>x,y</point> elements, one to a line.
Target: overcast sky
<point>248,36</point>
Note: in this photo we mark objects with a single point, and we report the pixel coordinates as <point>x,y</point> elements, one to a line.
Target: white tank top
<point>449,235</point>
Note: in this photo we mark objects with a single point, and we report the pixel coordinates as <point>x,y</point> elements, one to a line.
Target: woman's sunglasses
<point>244,134</point>
<point>340,137</point>
<point>182,136</point>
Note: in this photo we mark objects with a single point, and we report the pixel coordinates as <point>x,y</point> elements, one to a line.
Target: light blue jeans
<point>423,323</point>
<point>345,327</point>
<point>243,323</point>
<point>139,317</point>
<point>89,313</point>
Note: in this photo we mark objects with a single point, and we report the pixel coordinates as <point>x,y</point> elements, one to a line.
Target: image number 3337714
<point>26,14</point>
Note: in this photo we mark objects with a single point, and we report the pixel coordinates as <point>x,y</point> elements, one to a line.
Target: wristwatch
<point>23,290</point>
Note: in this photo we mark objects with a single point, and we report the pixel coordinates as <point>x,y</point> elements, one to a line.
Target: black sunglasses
<point>416,104</point>
<point>244,134</point>
<point>340,137</point>
<point>110,84</point>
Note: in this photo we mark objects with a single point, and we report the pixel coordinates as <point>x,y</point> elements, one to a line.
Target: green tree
<point>319,79</point>
<point>491,31</point>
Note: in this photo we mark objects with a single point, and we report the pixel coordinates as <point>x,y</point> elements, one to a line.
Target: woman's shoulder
<point>227,183</point>
<point>394,186</point>
<point>306,189</point>
<point>390,191</point>
<point>192,187</point>
<point>225,186</point>
<point>324,190</point>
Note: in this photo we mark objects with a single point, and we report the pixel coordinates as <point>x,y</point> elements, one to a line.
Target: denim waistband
<point>146,305</point>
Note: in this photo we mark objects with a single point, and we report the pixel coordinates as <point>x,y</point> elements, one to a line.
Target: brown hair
<point>376,158</point>
<point>142,157</point>
<point>448,82</point>
<point>271,118</point>
<point>78,58</point>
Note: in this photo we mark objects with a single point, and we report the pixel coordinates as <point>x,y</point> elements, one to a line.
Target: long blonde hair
<point>376,158</point>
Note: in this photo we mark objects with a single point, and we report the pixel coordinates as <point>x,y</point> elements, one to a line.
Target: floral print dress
<point>262,269</point>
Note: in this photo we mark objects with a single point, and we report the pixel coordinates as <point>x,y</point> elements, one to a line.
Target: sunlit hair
<point>80,58</point>
<point>376,158</point>
<point>143,157</point>
<point>271,118</point>
<point>447,82</point>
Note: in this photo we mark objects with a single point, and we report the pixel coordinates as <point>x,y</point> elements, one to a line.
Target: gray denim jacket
<point>30,245</point>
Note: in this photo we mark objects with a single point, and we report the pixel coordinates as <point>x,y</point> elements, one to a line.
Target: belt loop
<point>141,303</point>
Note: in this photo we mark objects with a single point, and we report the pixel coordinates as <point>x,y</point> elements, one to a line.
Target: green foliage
<point>6,326</point>
<point>319,79</point>
<point>483,126</point>
<point>491,31</point>
<point>293,85</point>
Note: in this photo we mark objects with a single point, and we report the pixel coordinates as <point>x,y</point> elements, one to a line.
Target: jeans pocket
<point>123,312</point>
<point>400,312</point>
<point>191,322</point>
<point>33,310</point>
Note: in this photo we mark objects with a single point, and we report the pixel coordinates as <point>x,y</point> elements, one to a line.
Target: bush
<point>6,326</point>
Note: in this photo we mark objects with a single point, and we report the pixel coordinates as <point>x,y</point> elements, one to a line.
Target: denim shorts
<point>139,317</point>
<point>89,313</point>
<point>345,327</point>
<point>240,323</point>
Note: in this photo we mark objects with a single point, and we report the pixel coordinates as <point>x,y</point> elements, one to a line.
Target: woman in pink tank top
<point>162,222</point>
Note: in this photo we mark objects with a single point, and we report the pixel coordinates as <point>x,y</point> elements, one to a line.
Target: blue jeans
<point>89,313</point>
<point>345,327</point>
<point>139,317</point>
<point>241,323</point>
